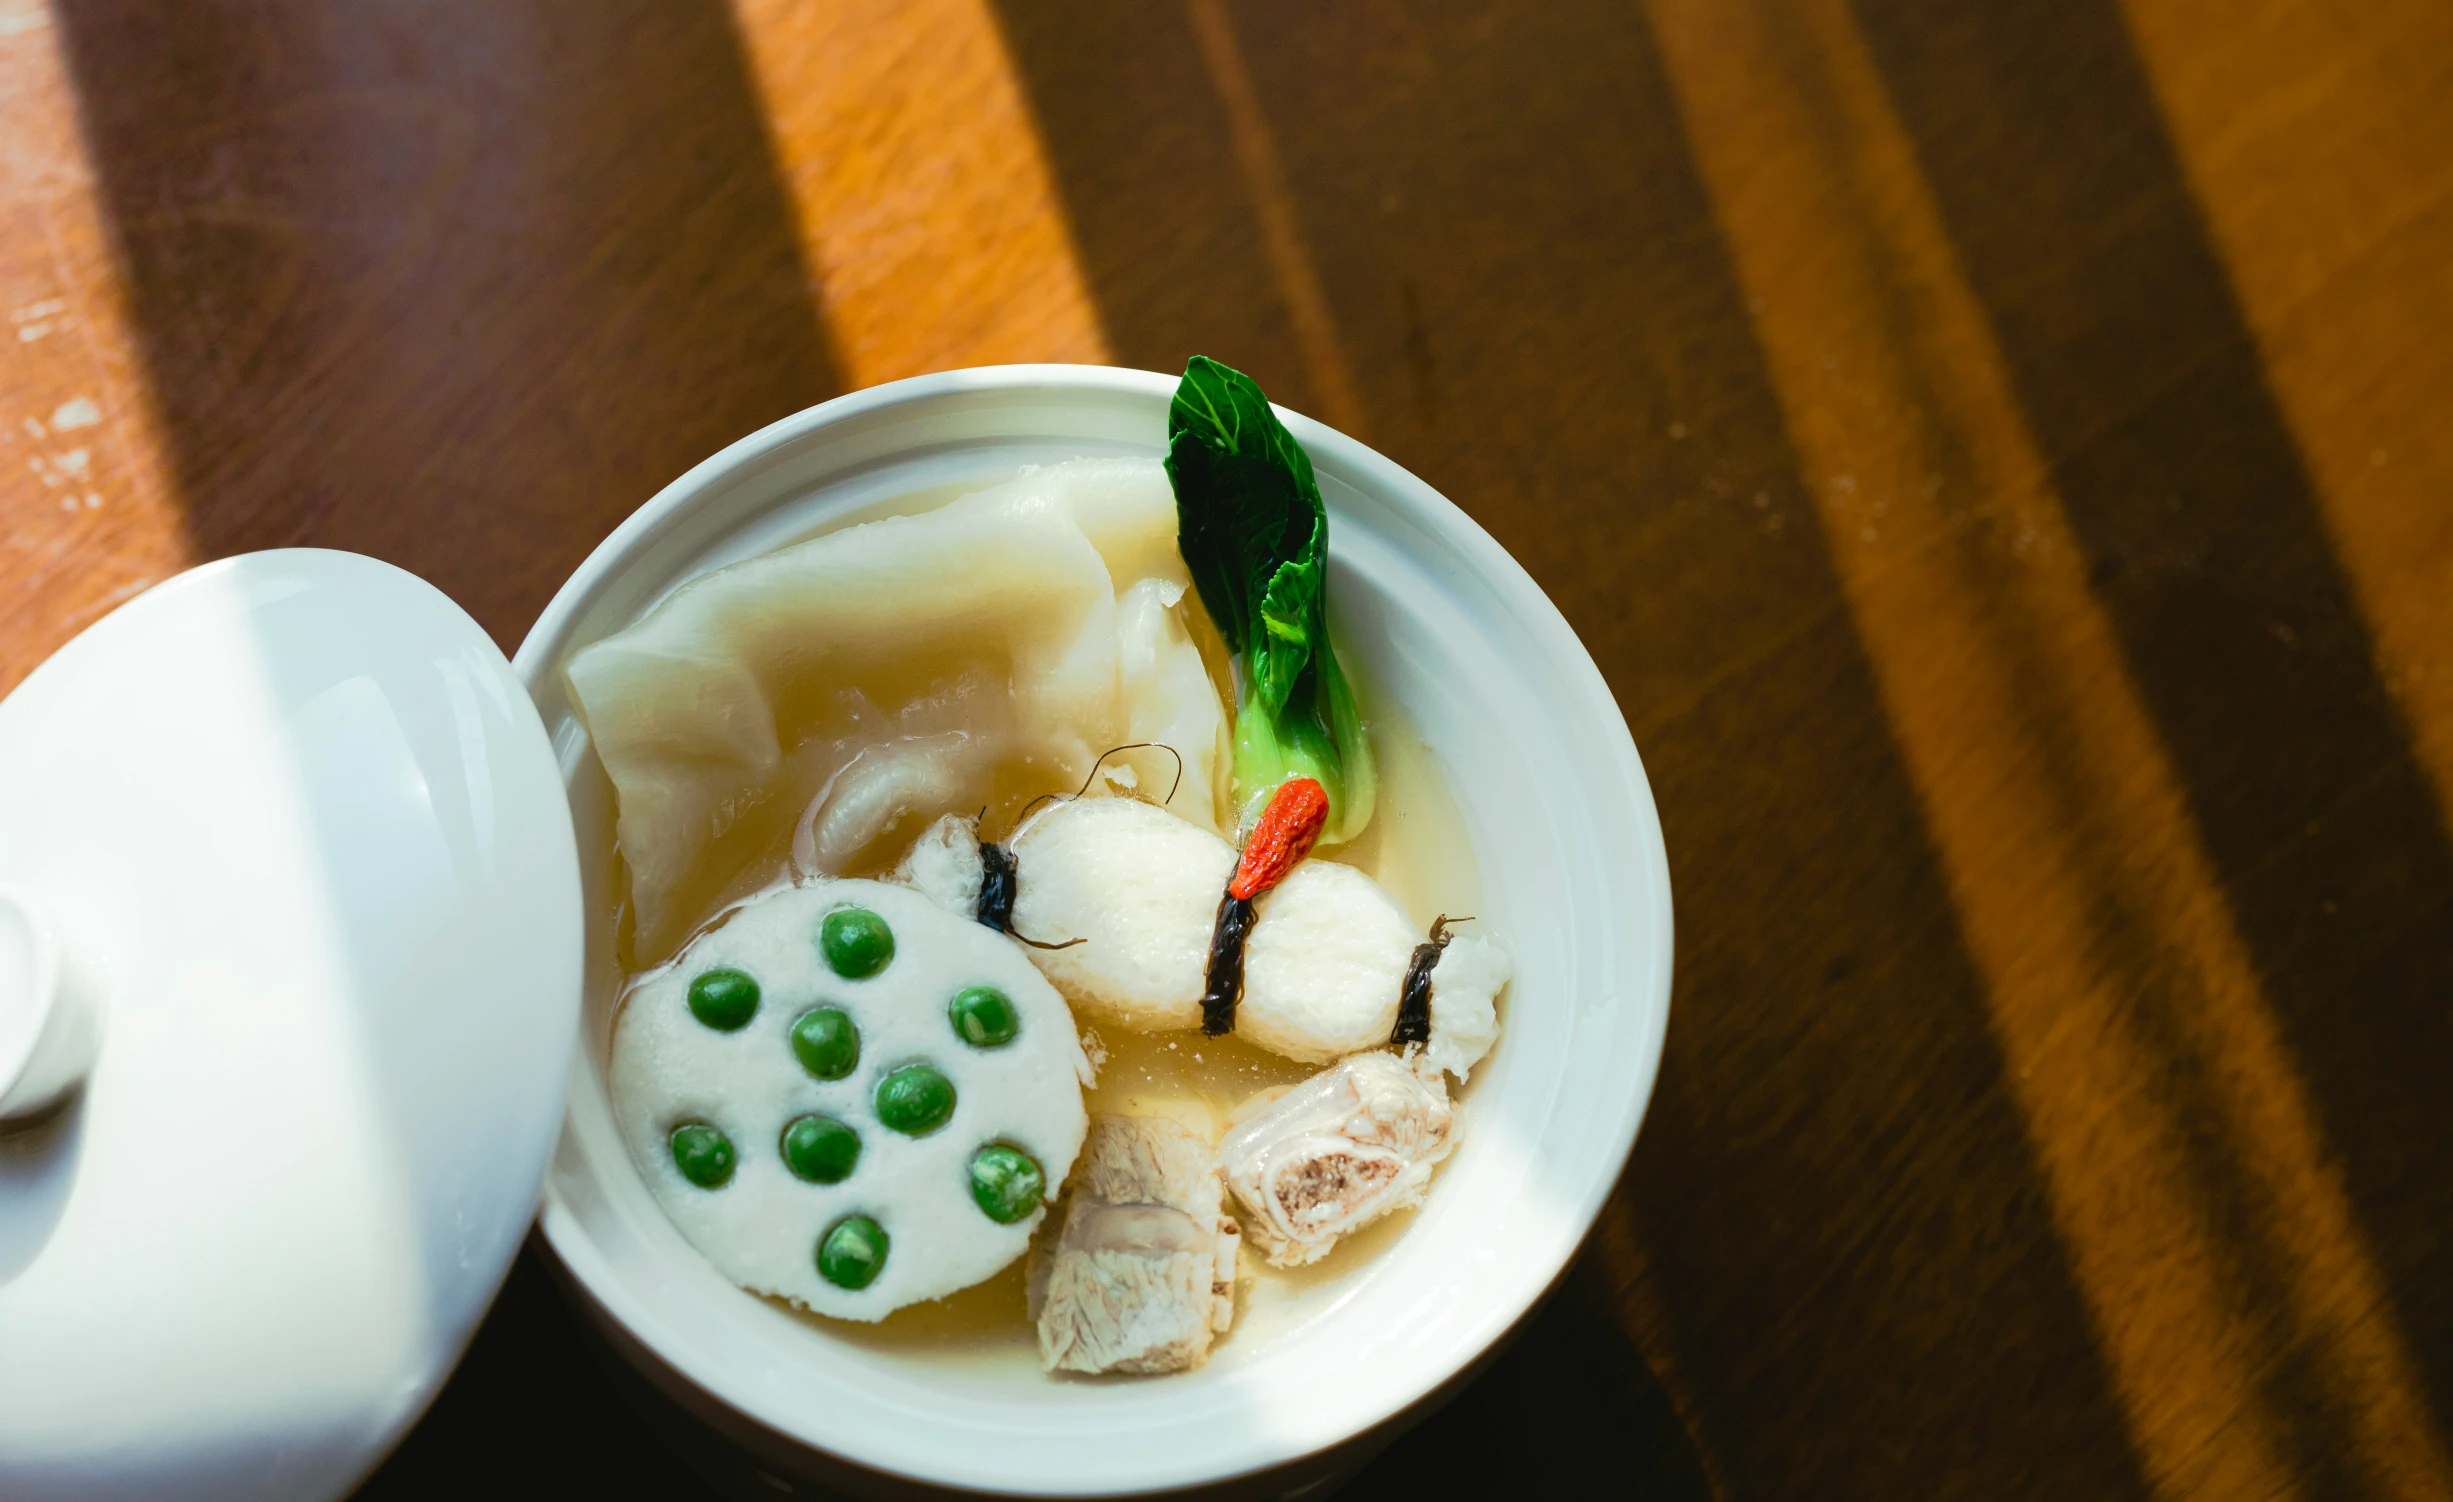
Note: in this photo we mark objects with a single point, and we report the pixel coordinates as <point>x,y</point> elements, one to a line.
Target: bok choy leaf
<point>1255,536</point>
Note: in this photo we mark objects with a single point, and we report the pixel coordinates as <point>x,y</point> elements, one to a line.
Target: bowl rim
<point>542,648</point>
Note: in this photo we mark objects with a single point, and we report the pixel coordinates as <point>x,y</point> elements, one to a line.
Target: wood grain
<point>1994,452</point>
<point>1969,584</point>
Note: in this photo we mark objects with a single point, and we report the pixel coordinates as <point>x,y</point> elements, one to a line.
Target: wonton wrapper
<point>846,684</point>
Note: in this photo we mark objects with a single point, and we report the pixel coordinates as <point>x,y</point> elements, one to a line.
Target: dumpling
<point>825,698</point>
<point>1170,701</point>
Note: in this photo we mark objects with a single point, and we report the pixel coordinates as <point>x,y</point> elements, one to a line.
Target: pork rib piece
<point>1143,1275</point>
<point>1336,1153</point>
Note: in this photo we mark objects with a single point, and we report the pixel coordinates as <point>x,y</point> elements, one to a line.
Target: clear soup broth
<point>1416,847</point>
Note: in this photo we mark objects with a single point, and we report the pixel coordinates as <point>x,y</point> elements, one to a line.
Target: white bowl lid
<point>287,879</point>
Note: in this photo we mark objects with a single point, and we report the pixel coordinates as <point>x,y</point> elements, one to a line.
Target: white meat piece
<point>944,866</point>
<point>1335,1153</point>
<point>1465,987</point>
<point>1142,1277</point>
<point>1141,887</point>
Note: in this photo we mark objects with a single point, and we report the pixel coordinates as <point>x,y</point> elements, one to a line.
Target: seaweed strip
<point>1224,984</point>
<point>1414,1002</point>
<point>997,886</point>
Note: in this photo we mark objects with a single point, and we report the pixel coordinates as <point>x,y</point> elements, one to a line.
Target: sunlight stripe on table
<point>2208,1232</point>
<point>93,514</point>
<point>2332,208</point>
<point>928,210</point>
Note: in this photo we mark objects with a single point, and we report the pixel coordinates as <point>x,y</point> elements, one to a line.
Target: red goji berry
<point>1284,835</point>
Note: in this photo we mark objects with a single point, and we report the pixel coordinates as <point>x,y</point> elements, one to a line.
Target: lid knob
<point>49,1027</point>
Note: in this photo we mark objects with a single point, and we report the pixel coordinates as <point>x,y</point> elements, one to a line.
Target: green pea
<point>915,1100</point>
<point>820,1149</point>
<point>852,1252</point>
<point>724,999</point>
<point>984,1017</point>
<point>703,1154</point>
<point>856,942</point>
<point>827,1043</point>
<point>1006,1182</point>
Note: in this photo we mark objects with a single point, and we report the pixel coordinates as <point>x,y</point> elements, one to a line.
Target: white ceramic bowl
<point>1563,826</point>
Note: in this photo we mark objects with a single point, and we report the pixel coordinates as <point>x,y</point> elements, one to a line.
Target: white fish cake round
<point>774,1084</point>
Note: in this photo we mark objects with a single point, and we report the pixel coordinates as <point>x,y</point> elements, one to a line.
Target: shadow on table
<point>1478,227</point>
<point>2052,165</point>
<point>536,1409</point>
<point>456,284</point>
<point>533,1412</point>
<point>1569,1409</point>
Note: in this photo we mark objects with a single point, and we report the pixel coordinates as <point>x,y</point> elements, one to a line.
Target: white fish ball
<point>1141,888</point>
<point>1324,966</point>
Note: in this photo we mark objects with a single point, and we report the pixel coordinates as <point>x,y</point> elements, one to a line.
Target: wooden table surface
<point>1999,454</point>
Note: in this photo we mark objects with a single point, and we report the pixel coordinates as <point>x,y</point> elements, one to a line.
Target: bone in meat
<point>1335,1153</point>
